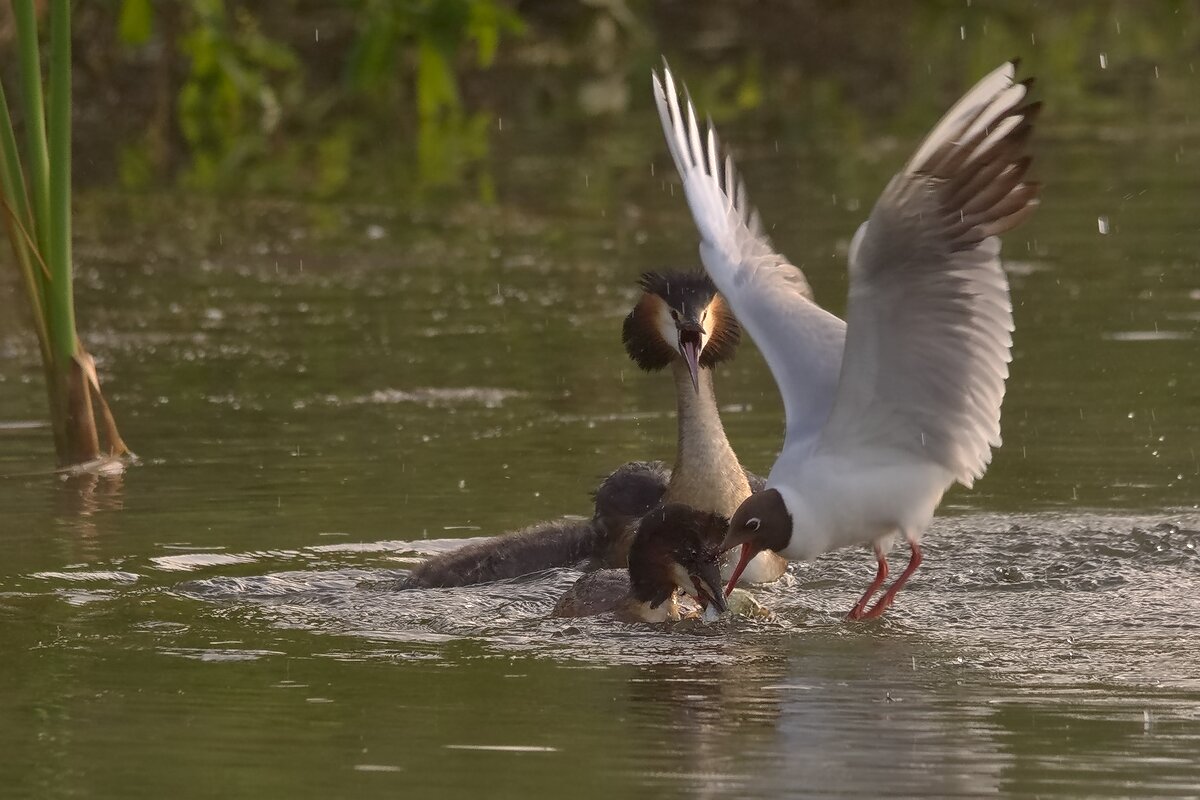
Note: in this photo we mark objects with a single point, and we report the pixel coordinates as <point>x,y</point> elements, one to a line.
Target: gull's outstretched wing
<point>801,342</point>
<point>929,320</point>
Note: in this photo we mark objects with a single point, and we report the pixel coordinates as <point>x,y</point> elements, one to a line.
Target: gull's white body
<point>887,411</point>
<point>837,501</point>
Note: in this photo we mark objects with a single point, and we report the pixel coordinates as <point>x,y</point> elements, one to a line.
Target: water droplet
<point>1104,61</point>
<point>1102,225</point>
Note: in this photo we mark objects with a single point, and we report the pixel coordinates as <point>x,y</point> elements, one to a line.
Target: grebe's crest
<point>675,306</point>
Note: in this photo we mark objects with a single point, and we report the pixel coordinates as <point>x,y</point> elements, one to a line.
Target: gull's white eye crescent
<point>753,524</point>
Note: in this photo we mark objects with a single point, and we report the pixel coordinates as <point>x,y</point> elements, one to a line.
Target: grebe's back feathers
<point>557,543</point>
<point>596,593</point>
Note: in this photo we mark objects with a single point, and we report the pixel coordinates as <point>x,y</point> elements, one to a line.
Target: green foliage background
<point>358,96</point>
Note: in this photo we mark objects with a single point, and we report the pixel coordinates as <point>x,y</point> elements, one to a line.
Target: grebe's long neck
<point>707,474</point>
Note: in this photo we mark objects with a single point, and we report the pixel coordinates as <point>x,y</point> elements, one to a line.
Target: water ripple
<point>1049,599</point>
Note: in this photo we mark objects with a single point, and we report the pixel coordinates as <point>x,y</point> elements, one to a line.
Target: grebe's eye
<point>753,524</point>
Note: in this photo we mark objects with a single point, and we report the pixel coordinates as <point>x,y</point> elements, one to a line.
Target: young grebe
<point>675,547</point>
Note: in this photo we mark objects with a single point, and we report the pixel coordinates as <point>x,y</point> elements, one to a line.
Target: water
<point>322,394</point>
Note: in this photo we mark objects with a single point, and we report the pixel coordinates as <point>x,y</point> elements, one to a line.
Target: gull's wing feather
<point>929,320</point>
<point>801,342</point>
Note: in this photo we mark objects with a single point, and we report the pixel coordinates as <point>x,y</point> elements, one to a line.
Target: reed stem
<point>35,205</point>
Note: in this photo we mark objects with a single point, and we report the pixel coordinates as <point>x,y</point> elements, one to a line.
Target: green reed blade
<point>12,178</point>
<point>58,256</point>
<point>36,157</point>
<point>18,223</point>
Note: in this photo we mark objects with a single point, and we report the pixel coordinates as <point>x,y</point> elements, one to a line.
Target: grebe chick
<point>675,547</point>
<point>681,322</point>
<point>624,497</point>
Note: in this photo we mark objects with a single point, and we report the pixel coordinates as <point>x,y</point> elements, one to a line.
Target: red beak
<point>749,551</point>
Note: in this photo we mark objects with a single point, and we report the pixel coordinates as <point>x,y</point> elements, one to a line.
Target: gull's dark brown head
<point>677,546</point>
<point>761,522</point>
<point>680,315</point>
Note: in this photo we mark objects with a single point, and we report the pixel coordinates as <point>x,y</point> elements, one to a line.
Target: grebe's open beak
<point>690,336</point>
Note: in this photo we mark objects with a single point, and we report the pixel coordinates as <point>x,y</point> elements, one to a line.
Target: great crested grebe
<point>675,547</point>
<point>927,341</point>
<point>679,321</point>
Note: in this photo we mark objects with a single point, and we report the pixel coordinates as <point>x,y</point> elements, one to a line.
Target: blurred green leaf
<point>437,90</point>
<point>136,22</point>
<point>489,20</point>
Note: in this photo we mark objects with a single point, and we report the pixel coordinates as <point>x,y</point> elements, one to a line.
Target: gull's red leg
<point>861,606</point>
<point>914,561</point>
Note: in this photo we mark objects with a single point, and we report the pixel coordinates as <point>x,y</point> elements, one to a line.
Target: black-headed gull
<point>885,412</point>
